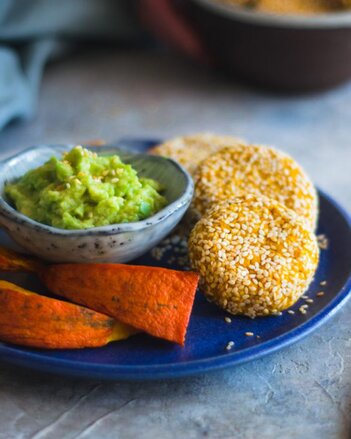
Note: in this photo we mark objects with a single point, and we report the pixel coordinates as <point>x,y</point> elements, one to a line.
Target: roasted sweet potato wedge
<point>28,319</point>
<point>155,300</point>
<point>11,260</point>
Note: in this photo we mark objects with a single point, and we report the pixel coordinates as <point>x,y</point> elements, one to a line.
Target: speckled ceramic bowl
<point>114,243</point>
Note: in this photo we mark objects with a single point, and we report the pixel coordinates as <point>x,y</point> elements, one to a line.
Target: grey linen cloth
<point>35,31</point>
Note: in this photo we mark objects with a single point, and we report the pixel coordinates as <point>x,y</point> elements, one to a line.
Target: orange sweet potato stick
<point>29,319</point>
<point>155,300</point>
<point>11,260</point>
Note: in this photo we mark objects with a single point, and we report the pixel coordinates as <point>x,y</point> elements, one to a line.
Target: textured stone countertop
<point>302,392</point>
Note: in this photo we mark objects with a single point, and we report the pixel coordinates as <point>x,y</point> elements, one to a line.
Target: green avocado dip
<point>85,190</point>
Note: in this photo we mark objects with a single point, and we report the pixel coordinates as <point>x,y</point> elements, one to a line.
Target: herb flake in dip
<point>84,190</point>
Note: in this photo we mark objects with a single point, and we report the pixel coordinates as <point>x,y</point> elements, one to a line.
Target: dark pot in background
<point>284,52</point>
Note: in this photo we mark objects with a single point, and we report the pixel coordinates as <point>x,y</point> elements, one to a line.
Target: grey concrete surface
<point>302,392</point>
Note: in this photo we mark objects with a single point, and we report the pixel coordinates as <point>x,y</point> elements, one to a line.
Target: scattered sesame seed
<point>68,185</point>
<point>309,300</point>
<point>175,239</point>
<point>323,242</point>
<point>290,311</point>
<point>249,334</point>
<point>178,253</point>
<point>324,282</point>
<point>230,345</point>
<point>321,293</point>
<point>227,319</point>
<point>305,297</point>
<point>303,309</point>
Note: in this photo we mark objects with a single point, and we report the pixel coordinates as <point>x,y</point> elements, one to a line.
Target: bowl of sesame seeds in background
<point>273,44</point>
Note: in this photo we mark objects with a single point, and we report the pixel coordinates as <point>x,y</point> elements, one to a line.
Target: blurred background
<point>79,70</point>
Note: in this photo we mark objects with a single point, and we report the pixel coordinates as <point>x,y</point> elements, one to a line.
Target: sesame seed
<point>230,345</point>
<point>323,242</point>
<point>324,282</point>
<point>309,300</point>
<point>290,311</point>
<point>321,293</point>
<point>249,334</point>
<point>227,319</point>
<point>178,255</point>
<point>303,309</point>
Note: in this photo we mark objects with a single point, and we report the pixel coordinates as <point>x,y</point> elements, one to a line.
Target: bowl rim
<point>6,210</point>
<point>318,21</point>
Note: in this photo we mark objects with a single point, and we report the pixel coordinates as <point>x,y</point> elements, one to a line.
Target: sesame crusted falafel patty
<point>254,255</point>
<point>190,150</point>
<point>258,170</point>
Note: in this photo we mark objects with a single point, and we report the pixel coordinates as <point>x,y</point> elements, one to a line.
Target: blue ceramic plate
<point>144,358</point>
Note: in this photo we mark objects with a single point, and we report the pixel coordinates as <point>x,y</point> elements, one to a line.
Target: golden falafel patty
<point>258,170</point>
<point>190,150</point>
<point>255,256</point>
